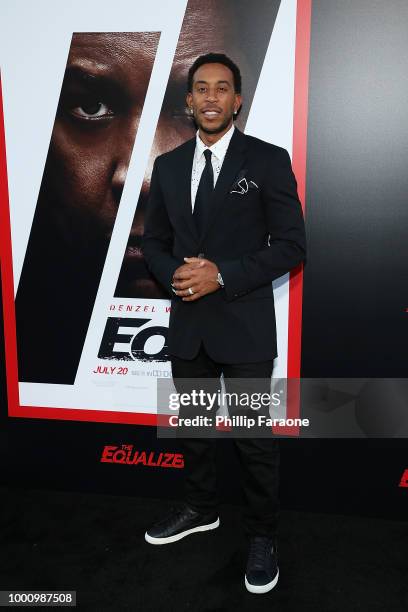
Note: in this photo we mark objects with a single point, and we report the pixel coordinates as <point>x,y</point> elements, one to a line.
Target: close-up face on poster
<point>87,322</point>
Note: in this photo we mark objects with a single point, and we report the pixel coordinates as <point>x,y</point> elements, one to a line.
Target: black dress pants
<point>258,457</point>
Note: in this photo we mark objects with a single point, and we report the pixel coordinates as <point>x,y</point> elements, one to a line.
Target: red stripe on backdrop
<point>6,262</point>
<point>299,167</point>
<point>82,414</point>
<point>300,110</point>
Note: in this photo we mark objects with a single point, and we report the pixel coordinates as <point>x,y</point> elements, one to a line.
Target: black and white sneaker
<point>179,524</point>
<point>262,570</point>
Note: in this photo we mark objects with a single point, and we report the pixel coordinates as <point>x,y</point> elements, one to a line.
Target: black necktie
<point>204,194</point>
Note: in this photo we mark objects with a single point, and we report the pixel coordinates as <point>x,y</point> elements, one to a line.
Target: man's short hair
<point>215,58</point>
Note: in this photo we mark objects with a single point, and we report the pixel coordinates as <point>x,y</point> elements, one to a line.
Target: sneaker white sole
<point>253,588</point>
<point>182,534</point>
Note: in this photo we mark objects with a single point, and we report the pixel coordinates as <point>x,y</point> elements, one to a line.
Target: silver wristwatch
<point>219,280</point>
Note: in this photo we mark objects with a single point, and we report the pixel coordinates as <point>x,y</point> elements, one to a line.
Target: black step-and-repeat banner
<point>90,98</point>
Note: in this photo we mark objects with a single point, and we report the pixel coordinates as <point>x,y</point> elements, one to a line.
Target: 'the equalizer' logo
<point>404,479</point>
<point>126,455</point>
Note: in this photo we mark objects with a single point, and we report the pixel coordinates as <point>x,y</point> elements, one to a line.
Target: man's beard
<point>215,130</point>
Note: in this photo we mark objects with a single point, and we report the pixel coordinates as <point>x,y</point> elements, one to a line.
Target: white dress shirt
<point>218,151</point>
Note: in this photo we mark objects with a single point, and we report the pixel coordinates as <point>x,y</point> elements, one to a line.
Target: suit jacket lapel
<point>182,178</point>
<point>233,162</point>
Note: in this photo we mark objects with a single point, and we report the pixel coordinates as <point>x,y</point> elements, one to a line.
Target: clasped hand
<point>196,278</point>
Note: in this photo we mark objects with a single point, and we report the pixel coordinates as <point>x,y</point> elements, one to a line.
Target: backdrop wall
<point>76,290</point>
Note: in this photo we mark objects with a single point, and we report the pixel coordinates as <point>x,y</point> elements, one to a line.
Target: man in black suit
<point>223,221</point>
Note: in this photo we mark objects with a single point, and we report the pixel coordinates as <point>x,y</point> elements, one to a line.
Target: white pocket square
<point>243,186</point>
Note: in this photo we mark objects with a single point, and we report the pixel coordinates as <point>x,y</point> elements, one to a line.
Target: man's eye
<point>92,109</point>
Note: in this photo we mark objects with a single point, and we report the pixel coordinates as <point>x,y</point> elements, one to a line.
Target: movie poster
<point>91,96</point>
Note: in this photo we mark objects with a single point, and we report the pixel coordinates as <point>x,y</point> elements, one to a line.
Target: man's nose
<point>119,177</point>
<point>124,147</point>
<point>212,94</point>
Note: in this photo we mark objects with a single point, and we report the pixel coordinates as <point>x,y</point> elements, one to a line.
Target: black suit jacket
<point>255,233</point>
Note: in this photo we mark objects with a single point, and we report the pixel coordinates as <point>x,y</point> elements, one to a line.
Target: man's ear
<point>189,100</point>
<point>238,102</point>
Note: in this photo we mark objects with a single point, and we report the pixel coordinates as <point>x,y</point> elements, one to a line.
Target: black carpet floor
<point>94,544</point>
